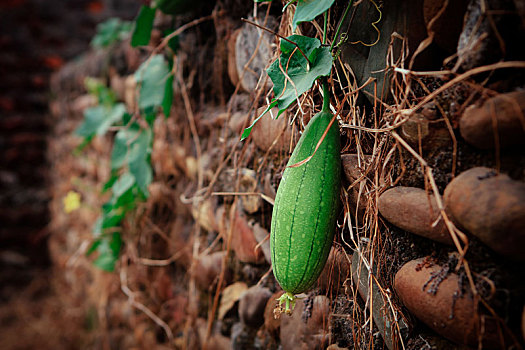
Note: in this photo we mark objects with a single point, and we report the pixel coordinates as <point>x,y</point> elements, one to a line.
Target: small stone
<point>354,167</point>
<point>207,269</point>
<point>252,305</point>
<point>248,183</point>
<point>263,240</point>
<point>490,206</point>
<point>502,115</point>
<point>204,214</point>
<point>241,46</point>
<point>381,312</point>
<point>244,243</point>
<point>415,128</point>
<point>242,337</point>
<point>335,347</point>
<point>271,323</point>
<point>336,270</point>
<point>312,334</point>
<point>271,134</point>
<point>480,40</point>
<point>414,210</point>
<point>447,27</point>
<point>437,299</point>
<point>229,297</point>
<point>216,341</point>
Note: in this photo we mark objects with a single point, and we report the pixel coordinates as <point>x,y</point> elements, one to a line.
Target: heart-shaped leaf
<point>307,10</point>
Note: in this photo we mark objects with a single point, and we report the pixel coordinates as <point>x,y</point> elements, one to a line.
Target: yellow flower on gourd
<point>71,202</point>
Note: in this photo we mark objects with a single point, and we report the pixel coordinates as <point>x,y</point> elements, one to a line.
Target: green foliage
<point>111,31</point>
<point>155,81</point>
<point>143,26</point>
<point>97,120</point>
<point>292,75</point>
<point>131,171</point>
<point>307,10</point>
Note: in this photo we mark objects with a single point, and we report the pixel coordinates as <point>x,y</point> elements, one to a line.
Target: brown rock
<point>216,341</point>
<point>271,323</point>
<point>448,25</point>
<point>207,269</point>
<point>437,300</point>
<point>491,206</point>
<point>272,133</point>
<point>252,305</point>
<point>414,210</point>
<point>335,347</point>
<point>241,46</point>
<point>354,167</point>
<point>204,214</point>
<point>296,334</point>
<point>382,314</point>
<point>248,183</point>
<point>502,115</point>
<point>480,40</point>
<point>336,270</point>
<point>243,241</point>
<point>422,129</point>
<point>263,240</point>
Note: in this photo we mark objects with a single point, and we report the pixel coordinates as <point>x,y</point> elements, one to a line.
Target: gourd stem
<point>326,96</point>
<point>325,26</point>
<point>341,24</point>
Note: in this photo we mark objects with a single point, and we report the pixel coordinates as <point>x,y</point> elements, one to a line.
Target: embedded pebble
<point>207,268</point>
<point>353,167</point>
<point>502,115</point>
<point>271,323</point>
<point>252,305</point>
<point>438,300</point>
<point>336,270</point>
<point>271,134</point>
<point>243,241</point>
<point>241,46</point>
<point>242,337</point>
<point>490,206</point>
<point>381,312</point>
<point>447,26</point>
<point>414,210</point>
<point>312,334</point>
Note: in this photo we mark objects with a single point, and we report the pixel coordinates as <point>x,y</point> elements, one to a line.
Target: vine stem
<point>326,95</point>
<point>341,24</point>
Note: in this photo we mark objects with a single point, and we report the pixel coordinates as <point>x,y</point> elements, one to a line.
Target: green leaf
<point>97,120</point>
<point>98,88</point>
<point>143,26</point>
<point>110,31</point>
<point>122,143</point>
<point>93,247</point>
<point>123,184</point>
<point>152,76</point>
<point>307,10</point>
<point>302,74</point>
<point>139,160</point>
<point>110,182</point>
<point>168,93</point>
<point>108,249</point>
